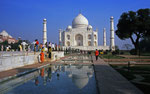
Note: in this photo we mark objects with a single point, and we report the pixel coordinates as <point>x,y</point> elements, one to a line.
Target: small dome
<point>111,17</point>
<point>80,22</point>
<point>90,27</point>
<point>69,27</point>
<point>4,33</point>
<point>44,19</point>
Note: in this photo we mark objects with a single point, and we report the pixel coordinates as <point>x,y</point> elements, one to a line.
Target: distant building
<point>4,36</point>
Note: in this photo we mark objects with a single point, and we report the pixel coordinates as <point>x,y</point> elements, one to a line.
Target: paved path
<point>109,81</point>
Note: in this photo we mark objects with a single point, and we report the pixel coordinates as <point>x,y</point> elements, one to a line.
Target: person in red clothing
<point>36,45</point>
<point>42,57</point>
<point>96,54</point>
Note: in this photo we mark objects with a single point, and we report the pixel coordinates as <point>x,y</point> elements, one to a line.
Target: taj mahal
<point>82,36</point>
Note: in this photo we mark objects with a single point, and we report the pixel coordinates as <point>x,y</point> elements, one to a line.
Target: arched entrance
<point>68,43</point>
<point>79,40</point>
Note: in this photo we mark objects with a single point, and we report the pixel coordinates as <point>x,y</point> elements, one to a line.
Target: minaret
<point>92,41</point>
<point>104,36</point>
<point>112,41</point>
<point>60,41</point>
<point>44,31</point>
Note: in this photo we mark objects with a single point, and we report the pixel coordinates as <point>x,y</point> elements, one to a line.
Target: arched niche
<point>79,40</point>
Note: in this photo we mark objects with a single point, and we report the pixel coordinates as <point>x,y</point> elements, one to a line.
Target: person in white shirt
<point>53,46</point>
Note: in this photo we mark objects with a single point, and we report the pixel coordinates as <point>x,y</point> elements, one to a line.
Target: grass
<point>110,56</point>
<point>145,54</point>
<point>128,74</point>
<point>147,78</point>
<point>142,70</point>
<point>144,88</point>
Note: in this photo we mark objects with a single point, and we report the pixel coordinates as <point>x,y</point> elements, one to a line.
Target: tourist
<point>46,45</point>
<point>49,52</point>
<point>59,47</point>
<point>20,48</point>
<point>53,46</point>
<point>2,48</point>
<point>29,48</point>
<point>24,45</point>
<point>43,49</point>
<point>36,44</point>
<point>96,54</point>
<point>33,46</point>
<point>40,47</point>
<point>89,52</point>
<point>42,56</point>
<point>7,48</point>
<point>49,44</point>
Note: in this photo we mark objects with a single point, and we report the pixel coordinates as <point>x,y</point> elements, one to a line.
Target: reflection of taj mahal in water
<point>79,74</point>
<point>82,36</point>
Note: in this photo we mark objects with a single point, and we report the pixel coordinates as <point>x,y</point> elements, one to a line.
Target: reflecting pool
<point>78,59</point>
<point>54,79</point>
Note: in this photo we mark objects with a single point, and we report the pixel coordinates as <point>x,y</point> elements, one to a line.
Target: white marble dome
<point>80,22</point>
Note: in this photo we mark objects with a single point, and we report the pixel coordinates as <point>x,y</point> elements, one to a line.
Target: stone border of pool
<point>109,81</point>
<point>16,72</point>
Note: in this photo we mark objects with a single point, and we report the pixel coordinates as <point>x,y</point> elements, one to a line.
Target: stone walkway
<point>109,81</point>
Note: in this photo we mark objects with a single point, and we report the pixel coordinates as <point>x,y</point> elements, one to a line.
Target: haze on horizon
<point>24,18</point>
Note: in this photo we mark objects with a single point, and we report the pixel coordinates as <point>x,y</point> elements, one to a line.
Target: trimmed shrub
<point>133,52</point>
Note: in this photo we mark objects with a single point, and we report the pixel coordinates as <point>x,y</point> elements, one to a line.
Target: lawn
<point>141,70</point>
<point>110,56</point>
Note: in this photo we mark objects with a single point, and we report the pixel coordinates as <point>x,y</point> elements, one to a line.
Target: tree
<point>127,46</point>
<point>5,43</point>
<point>116,47</point>
<point>145,44</point>
<point>134,26</point>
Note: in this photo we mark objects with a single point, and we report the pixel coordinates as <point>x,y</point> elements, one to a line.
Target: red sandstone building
<point>4,36</point>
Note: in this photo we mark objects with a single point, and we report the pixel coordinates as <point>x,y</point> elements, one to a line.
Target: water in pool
<point>54,79</point>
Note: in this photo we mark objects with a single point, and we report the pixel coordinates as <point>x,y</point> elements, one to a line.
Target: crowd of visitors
<point>45,49</point>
